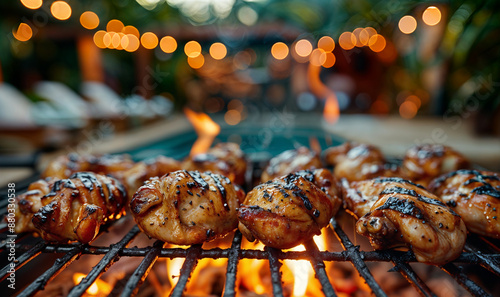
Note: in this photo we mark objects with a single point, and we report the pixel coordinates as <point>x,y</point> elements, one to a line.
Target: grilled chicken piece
<point>187,207</point>
<point>66,165</point>
<point>475,196</point>
<point>287,211</point>
<point>74,208</point>
<point>359,196</point>
<point>423,163</point>
<point>408,215</point>
<point>356,162</point>
<point>144,170</point>
<point>225,158</point>
<point>29,203</point>
<point>291,161</point>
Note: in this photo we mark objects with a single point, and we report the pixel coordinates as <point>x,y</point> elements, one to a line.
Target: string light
<point>303,48</point>
<point>407,24</point>
<point>218,51</point>
<point>149,40</point>
<point>89,20</point>
<point>168,44</point>
<point>32,4</point>
<point>60,10</point>
<point>377,43</point>
<point>192,49</point>
<point>347,40</point>
<point>196,62</point>
<point>99,39</point>
<point>431,16</point>
<point>326,43</point>
<point>114,26</point>
<point>279,51</point>
<point>23,32</point>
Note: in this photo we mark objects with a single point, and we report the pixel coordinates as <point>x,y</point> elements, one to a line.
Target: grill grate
<point>317,258</point>
<point>478,252</point>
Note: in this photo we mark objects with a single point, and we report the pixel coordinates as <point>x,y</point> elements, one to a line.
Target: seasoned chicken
<point>187,207</point>
<point>355,162</point>
<point>287,211</point>
<point>29,203</point>
<point>291,161</point>
<point>225,158</point>
<point>359,196</point>
<point>324,180</point>
<point>74,208</point>
<point>475,196</point>
<point>64,166</point>
<point>407,215</point>
<point>144,170</point>
<point>422,163</point>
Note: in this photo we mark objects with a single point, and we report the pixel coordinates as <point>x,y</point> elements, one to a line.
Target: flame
<point>206,129</point>
<point>98,288</point>
<point>331,111</point>
<point>302,271</point>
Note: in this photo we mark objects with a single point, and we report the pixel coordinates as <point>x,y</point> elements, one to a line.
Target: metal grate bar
<point>142,271</point>
<point>274,266</point>
<point>50,273</point>
<point>232,266</point>
<point>490,263</point>
<point>319,268</point>
<point>215,253</point>
<point>412,277</point>
<point>104,263</point>
<point>23,259</point>
<point>463,280</point>
<point>187,268</point>
<point>355,256</point>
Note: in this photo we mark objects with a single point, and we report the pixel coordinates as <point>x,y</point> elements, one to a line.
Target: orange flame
<point>98,288</point>
<point>206,129</point>
<point>331,111</point>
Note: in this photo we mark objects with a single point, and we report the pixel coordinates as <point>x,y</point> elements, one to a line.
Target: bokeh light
<point>32,4</point>
<point>279,50</point>
<point>361,37</point>
<point>196,62</point>
<point>218,51</point>
<point>60,10</point>
<point>377,43</point>
<point>99,39</point>
<point>326,43</point>
<point>317,57</point>
<point>133,43</point>
<point>303,48</point>
<point>415,100</point>
<point>408,110</point>
<point>23,32</point>
<point>407,24</point>
<point>192,49</point>
<point>431,16</point>
<point>106,39</point>
<point>329,60</point>
<point>131,30</point>
<point>232,117</point>
<point>89,20</point>
<point>114,26</point>
<point>235,104</point>
<point>168,44</point>
<point>347,40</point>
<point>149,40</point>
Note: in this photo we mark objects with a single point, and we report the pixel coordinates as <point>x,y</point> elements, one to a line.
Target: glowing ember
<point>98,288</point>
<point>206,129</point>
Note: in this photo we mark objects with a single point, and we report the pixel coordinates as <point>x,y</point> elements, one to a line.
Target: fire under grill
<point>486,258</point>
<point>480,253</point>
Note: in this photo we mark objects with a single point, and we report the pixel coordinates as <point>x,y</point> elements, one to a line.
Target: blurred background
<point>85,69</point>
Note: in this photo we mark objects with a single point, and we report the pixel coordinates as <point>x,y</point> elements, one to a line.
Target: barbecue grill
<point>478,251</point>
